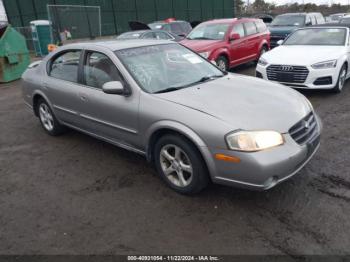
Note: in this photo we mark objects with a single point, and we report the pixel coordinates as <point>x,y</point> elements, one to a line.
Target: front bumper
<point>265,169</point>
<point>310,82</point>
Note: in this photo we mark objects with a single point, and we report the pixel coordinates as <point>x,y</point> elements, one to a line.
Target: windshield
<point>345,20</point>
<point>289,20</point>
<point>170,67</point>
<point>318,36</point>
<point>209,32</point>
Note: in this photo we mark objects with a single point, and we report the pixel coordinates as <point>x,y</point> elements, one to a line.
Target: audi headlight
<point>251,141</point>
<point>262,62</point>
<point>205,54</point>
<point>325,65</point>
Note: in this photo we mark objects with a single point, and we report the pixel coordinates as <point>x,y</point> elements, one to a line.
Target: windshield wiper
<point>202,80</point>
<point>170,89</point>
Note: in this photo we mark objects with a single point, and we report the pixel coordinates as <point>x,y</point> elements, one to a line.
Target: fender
<point>185,131</point>
<point>220,51</point>
<point>42,94</point>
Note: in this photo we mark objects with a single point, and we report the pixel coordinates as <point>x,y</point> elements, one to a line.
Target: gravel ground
<point>76,195</point>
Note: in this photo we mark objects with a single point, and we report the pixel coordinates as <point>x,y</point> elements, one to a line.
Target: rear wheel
<point>48,120</point>
<point>222,63</point>
<point>180,165</point>
<point>341,79</point>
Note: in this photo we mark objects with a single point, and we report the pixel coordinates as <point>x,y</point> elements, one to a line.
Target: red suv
<point>230,42</point>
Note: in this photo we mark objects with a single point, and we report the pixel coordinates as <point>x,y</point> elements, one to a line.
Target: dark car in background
<point>150,34</point>
<point>177,27</point>
<point>171,25</point>
<point>265,17</point>
<point>229,42</point>
<point>285,24</point>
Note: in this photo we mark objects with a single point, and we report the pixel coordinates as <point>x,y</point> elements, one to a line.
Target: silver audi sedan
<point>194,122</point>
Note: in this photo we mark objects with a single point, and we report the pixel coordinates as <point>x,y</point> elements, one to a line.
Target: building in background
<point>115,14</point>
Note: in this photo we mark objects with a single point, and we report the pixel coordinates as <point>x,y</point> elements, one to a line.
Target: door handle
<point>83,97</point>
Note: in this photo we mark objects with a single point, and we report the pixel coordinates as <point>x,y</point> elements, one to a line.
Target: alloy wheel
<point>342,79</point>
<point>222,65</point>
<point>46,117</point>
<point>176,165</point>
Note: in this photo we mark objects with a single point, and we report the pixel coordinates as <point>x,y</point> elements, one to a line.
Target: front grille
<point>305,130</point>
<point>287,74</point>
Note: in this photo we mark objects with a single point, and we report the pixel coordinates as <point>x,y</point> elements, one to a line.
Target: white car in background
<point>312,58</point>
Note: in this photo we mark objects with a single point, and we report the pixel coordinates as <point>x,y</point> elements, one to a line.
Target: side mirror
<point>114,88</point>
<point>234,36</point>
<point>308,24</point>
<point>279,42</point>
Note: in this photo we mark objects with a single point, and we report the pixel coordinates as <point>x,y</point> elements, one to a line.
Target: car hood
<point>244,103</point>
<point>200,45</point>
<point>282,30</point>
<point>303,55</point>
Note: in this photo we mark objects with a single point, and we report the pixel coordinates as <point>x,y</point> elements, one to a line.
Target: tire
<point>222,63</point>
<point>180,165</point>
<point>48,120</point>
<point>341,79</point>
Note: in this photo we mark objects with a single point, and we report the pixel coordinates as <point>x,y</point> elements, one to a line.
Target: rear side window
<point>150,35</point>
<point>99,69</point>
<point>260,25</point>
<point>239,29</point>
<point>250,28</point>
<point>162,35</point>
<point>66,66</point>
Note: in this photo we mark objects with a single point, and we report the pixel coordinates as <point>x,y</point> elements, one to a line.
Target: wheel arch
<point>168,127</point>
<point>36,97</point>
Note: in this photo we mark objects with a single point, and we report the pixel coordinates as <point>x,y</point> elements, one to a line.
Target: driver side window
<point>99,69</point>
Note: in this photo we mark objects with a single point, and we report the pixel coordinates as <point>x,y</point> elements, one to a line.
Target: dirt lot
<point>76,195</point>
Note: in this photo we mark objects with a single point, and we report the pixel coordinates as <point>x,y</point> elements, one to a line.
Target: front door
<point>111,116</point>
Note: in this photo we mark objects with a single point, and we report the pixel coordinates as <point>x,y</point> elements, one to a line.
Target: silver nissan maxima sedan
<point>194,122</point>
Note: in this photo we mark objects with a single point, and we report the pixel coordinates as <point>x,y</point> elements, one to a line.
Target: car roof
<point>231,20</point>
<point>115,45</point>
<point>171,22</point>
<point>331,25</point>
<point>290,14</point>
<point>137,32</point>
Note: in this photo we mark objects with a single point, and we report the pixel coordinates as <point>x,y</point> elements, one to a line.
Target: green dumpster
<point>14,54</point>
<point>41,33</point>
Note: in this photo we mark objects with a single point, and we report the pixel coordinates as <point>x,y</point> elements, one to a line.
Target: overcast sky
<point>345,2</point>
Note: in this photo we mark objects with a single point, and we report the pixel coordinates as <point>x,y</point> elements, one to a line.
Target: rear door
<point>62,85</point>
<point>253,40</point>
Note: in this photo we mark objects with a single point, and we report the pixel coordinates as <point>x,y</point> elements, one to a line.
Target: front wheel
<point>341,79</point>
<point>180,165</point>
<point>222,63</point>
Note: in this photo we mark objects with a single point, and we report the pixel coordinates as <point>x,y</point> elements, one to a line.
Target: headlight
<point>205,54</point>
<point>251,141</point>
<point>262,62</point>
<point>324,65</point>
